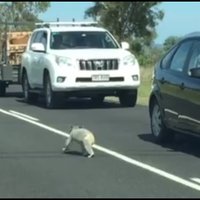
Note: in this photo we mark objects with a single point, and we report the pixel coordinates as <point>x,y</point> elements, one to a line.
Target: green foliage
<point>21,12</point>
<point>127,19</point>
<point>133,22</point>
<point>146,60</point>
<point>169,42</point>
<point>147,54</point>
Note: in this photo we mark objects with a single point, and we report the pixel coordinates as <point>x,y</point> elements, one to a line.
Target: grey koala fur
<point>84,137</point>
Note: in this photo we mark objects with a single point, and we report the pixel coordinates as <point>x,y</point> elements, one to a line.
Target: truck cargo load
<point>13,44</point>
<point>16,45</point>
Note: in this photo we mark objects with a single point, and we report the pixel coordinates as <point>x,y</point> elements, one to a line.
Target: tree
<point>127,19</point>
<point>169,42</point>
<point>22,12</point>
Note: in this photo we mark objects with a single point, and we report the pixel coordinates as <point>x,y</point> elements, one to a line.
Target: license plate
<point>100,77</point>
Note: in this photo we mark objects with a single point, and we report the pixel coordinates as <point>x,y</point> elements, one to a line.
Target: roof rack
<point>49,24</point>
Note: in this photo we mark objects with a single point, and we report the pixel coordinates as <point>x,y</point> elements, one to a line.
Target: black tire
<point>2,89</point>
<point>160,132</point>
<point>97,100</point>
<point>50,96</point>
<point>128,100</point>
<point>28,96</point>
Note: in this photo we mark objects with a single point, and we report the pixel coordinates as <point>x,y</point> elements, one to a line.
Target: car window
<point>178,61</point>
<point>82,39</point>
<point>194,61</point>
<point>32,39</point>
<point>38,37</point>
<point>43,39</point>
<point>166,60</point>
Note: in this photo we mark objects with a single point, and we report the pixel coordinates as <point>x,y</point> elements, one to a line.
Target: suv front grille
<point>109,64</point>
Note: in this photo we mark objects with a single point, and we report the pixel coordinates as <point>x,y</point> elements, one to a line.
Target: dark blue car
<point>174,103</point>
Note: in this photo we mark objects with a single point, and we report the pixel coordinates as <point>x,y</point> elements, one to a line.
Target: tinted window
<point>180,56</point>
<point>38,37</point>
<point>43,39</point>
<point>32,39</point>
<point>166,60</point>
<point>80,39</point>
<point>195,56</point>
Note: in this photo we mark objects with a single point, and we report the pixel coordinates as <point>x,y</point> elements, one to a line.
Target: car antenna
<point>58,20</point>
<point>73,20</point>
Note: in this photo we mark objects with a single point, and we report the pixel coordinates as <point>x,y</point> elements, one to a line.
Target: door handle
<point>182,86</point>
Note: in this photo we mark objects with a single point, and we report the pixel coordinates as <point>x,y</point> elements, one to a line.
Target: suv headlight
<point>129,60</point>
<point>63,61</point>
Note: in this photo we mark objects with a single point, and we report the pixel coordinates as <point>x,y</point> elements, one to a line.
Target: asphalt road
<point>127,162</point>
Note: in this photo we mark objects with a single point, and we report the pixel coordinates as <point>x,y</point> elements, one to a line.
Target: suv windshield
<point>86,39</point>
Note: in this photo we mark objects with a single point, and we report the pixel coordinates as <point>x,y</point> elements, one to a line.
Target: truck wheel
<point>128,100</point>
<point>159,131</point>
<point>2,89</point>
<point>50,97</point>
<point>98,100</point>
<point>28,96</point>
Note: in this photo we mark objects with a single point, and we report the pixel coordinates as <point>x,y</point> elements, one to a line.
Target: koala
<point>84,137</point>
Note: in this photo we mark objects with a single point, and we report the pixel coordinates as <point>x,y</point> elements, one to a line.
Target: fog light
<point>135,77</point>
<point>60,79</point>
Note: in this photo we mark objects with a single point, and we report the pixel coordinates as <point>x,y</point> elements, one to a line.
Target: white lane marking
<point>24,115</point>
<point>36,123</point>
<point>117,155</point>
<point>196,180</point>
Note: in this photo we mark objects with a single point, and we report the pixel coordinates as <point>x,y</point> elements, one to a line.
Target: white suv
<point>78,60</point>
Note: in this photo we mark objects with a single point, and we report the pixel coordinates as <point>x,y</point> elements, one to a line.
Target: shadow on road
<point>74,104</point>
<point>74,153</point>
<point>13,94</point>
<point>181,143</point>
<point>15,91</point>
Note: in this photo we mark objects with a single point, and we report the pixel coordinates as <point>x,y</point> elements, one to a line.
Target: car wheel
<point>28,96</point>
<point>2,89</point>
<point>50,99</point>
<point>128,100</point>
<point>160,133</point>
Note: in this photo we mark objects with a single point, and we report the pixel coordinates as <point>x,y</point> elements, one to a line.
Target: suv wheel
<point>28,96</point>
<point>159,131</point>
<point>2,89</point>
<point>49,94</point>
<point>128,100</point>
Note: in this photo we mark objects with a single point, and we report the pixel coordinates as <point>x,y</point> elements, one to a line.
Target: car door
<point>33,64</point>
<point>170,80</point>
<point>189,115</point>
<point>40,61</point>
<point>30,59</point>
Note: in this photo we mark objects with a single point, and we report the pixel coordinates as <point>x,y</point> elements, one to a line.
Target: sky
<point>180,18</point>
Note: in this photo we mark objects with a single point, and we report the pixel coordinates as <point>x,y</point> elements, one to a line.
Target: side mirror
<point>39,47</point>
<point>125,45</point>
<point>195,72</point>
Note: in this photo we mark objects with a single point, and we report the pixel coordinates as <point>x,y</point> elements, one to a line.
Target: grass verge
<point>144,89</point>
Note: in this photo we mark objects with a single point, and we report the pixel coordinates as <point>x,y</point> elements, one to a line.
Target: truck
<point>12,46</point>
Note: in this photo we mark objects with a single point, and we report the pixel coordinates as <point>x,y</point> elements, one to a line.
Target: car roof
<point>69,26</point>
<point>193,34</point>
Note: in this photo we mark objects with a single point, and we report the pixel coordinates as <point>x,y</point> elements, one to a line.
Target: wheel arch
<point>154,98</point>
